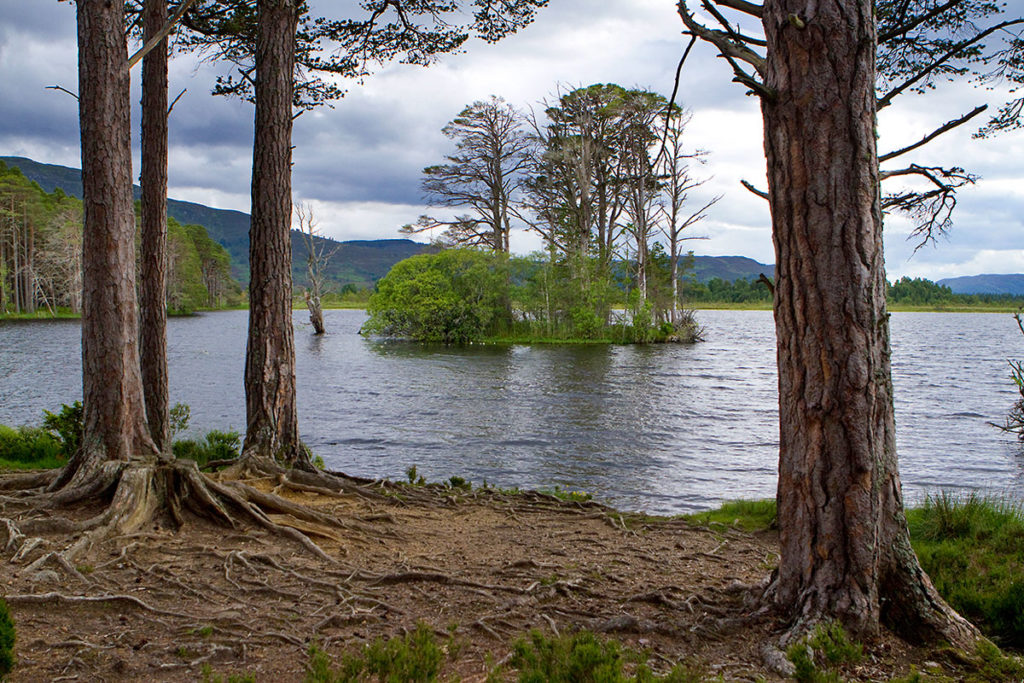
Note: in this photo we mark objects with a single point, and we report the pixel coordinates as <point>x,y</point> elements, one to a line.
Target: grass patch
<point>583,657</point>
<point>413,658</point>
<point>820,657</point>
<point>972,547</point>
<point>29,448</point>
<point>216,445</point>
<point>209,676</point>
<point>749,515</point>
<point>567,495</point>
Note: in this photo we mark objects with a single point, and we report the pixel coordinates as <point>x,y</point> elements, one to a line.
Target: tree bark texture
<point>115,426</point>
<point>845,551</point>
<point>272,419</point>
<point>153,300</point>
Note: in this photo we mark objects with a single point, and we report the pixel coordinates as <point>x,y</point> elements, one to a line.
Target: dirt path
<point>482,568</point>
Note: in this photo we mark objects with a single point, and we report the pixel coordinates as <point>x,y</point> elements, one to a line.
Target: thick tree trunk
<point>845,552</point>
<point>272,420</point>
<point>153,303</point>
<point>115,426</point>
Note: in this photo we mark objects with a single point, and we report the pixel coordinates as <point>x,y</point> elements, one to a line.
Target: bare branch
<point>161,34</point>
<point>950,125</point>
<point>750,8</point>
<point>175,101</point>
<point>62,89</point>
<point>932,209</point>
<point>730,48</point>
<point>733,33</point>
<point>760,193</point>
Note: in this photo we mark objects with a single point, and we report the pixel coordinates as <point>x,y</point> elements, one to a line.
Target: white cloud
<point>361,162</point>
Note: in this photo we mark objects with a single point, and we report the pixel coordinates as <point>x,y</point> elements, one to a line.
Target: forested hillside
<point>41,264</point>
<point>360,263</point>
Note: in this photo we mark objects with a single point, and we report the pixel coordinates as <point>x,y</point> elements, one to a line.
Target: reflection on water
<point>663,428</point>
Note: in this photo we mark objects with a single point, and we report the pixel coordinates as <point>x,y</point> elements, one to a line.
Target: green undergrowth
<point>972,547</point>
<point>26,448</point>
<point>7,638</point>
<point>749,515</point>
<point>420,656</point>
<point>584,656</point>
<point>416,657</point>
<point>216,445</point>
<point>823,655</point>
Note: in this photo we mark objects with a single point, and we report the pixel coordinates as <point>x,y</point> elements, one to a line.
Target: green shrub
<point>216,445</point>
<point>7,638</point>
<point>571,657</point>
<point>972,547</point>
<point>454,296</point>
<point>414,658</point>
<point>29,448</point>
<point>817,657</point>
<point>179,416</point>
<point>68,426</point>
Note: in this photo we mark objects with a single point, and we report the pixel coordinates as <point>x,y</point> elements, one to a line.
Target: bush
<point>30,447</point>
<point>68,426</point>
<point>454,296</point>
<point>7,638</point>
<point>216,445</point>
<point>414,658</point>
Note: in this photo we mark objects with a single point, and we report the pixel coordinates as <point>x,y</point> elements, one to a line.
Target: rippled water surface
<point>662,428</point>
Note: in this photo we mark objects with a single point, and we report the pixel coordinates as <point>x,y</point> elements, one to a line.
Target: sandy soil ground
<point>480,568</point>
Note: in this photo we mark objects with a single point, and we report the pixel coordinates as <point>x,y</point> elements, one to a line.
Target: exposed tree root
<point>142,492</point>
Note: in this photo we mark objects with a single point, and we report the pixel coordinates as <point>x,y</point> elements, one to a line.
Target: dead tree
<point>317,258</point>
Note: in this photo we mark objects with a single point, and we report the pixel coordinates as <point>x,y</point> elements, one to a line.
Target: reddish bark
<point>115,427</point>
<point>153,299</point>
<point>845,551</point>
<point>272,418</point>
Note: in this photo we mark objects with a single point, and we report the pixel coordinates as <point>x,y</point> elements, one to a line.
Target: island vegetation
<point>466,295</point>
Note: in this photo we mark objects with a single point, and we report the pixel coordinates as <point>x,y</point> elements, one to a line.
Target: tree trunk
<point>845,551</point>
<point>316,312</point>
<point>153,303</point>
<point>272,419</point>
<point>115,427</point>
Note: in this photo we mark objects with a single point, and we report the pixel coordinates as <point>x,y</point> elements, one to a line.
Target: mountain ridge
<point>359,262</point>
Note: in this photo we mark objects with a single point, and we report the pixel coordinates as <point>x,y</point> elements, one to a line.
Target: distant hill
<point>1012,284</point>
<point>729,268</point>
<point>360,262</point>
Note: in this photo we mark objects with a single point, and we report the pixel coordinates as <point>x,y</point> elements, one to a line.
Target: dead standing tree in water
<point>317,258</point>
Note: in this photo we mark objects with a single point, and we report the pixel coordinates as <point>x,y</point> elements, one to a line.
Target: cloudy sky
<point>359,164</point>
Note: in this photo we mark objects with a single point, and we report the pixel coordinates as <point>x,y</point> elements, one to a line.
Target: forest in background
<point>41,260</point>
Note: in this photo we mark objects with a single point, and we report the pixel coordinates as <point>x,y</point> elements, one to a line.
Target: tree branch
<point>910,26</point>
<point>155,40</point>
<point>62,89</point>
<point>934,134</point>
<point>886,100</point>
<point>747,7</point>
<point>760,193</point>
